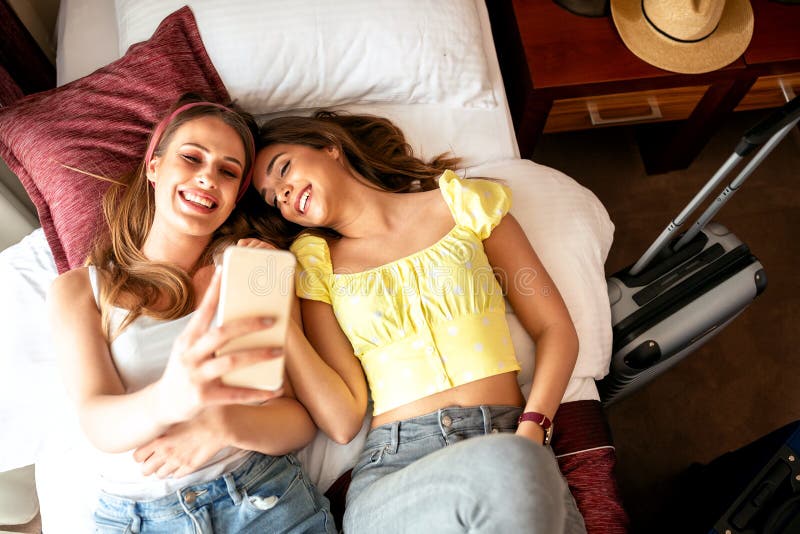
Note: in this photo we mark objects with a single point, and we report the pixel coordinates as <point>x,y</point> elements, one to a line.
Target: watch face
<point>548,435</point>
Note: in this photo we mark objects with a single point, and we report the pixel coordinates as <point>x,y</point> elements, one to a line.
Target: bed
<point>430,66</point>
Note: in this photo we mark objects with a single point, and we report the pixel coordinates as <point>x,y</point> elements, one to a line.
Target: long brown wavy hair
<point>127,275</point>
<point>373,146</point>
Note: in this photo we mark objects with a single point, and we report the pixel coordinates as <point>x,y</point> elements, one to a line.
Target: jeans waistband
<point>445,421</point>
<point>196,495</point>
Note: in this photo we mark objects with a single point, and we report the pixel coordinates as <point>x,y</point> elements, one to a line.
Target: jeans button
<point>190,497</point>
<point>447,421</point>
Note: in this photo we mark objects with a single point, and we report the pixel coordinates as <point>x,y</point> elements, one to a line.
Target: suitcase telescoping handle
<point>768,132</point>
<point>764,130</point>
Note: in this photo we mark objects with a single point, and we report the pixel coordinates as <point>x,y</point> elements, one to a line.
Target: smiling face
<point>302,182</point>
<point>197,176</point>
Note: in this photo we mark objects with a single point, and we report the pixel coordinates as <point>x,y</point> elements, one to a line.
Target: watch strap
<point>538,418</point>
<point>541,420</point>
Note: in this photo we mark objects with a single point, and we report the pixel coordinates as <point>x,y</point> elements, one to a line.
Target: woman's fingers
<point>143,453</point>
<point>192,377</point>
<point>254,243</point>
<point>214,339</point>
<point>183,470</point>
<point>236,395</point>
<point>167,469</point>
<point>153,464</point>
<point>214,368</point>
<point>162,465</point>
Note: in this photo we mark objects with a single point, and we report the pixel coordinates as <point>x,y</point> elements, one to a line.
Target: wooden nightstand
<point>566,72</point>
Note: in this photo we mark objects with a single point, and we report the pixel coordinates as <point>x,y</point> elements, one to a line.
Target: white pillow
<point>293,54</point>
<point>571,233</point>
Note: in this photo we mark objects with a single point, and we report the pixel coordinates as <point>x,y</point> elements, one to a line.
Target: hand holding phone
<point>257,282</point>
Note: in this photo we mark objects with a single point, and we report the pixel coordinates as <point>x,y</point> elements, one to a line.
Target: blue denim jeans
<point>458,470</point>
<point>265,494</point>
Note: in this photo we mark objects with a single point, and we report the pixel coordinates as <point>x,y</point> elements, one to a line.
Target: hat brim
<point>722,47</point>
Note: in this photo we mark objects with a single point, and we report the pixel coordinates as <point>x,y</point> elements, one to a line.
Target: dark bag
<point>752,490</point>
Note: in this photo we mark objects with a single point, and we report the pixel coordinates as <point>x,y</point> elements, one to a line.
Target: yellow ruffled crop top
<point>429,321</point>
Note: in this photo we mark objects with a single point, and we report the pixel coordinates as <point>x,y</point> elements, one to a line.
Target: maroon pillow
<point>100,124</point>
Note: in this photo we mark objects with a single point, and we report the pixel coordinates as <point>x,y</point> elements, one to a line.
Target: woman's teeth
<point>304,201</point>
<point>197,199</point>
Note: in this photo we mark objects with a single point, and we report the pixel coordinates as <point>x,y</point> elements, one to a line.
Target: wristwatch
<point>541,420</point>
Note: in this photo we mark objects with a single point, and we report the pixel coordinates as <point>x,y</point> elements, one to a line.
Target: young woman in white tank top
<point>178,451</point>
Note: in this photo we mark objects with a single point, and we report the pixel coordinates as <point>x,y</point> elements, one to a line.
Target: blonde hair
<point>156,289</point>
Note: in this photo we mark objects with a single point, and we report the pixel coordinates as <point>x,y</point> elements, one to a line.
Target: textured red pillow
<point>100,124</point>
<point>583,447</point>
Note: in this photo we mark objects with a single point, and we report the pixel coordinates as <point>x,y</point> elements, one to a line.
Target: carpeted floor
<point>740,385</point>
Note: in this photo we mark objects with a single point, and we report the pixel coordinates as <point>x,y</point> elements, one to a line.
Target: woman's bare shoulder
<point>72,284</point>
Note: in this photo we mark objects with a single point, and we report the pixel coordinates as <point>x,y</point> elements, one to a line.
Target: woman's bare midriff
<point>500,390</point>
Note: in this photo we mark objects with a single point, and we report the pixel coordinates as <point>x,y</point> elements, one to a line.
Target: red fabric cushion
<point>583,447</point>
<point>100,124</point>
<point>590,477</point>
<point>578,426</point>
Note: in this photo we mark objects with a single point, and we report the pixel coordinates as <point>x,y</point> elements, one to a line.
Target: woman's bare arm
<point>278,427</point>
<point>327,377</point>
<point>541,311</point>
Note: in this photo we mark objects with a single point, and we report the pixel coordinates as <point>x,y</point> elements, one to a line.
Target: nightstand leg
<point>669,147</point>
<point>529,124</point>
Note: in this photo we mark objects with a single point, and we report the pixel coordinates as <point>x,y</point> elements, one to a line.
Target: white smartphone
<point>256,282</point>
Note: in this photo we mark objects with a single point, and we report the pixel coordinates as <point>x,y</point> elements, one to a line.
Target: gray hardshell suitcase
<point>685,290</point>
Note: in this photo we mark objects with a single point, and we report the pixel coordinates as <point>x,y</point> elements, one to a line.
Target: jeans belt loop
<point>395,440</point>
<point>136,521</point>
<point>487,419</point>
<point>233,491</point>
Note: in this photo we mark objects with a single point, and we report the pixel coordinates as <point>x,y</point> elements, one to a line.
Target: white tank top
<point>140,354</point>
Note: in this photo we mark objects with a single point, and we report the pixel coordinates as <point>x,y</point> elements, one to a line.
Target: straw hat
<point>688,36</point>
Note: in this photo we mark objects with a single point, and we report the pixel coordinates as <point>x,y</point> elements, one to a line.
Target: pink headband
<point>159,131</point>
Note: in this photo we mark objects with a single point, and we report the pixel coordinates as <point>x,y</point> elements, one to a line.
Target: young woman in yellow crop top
<point>403,268</point>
